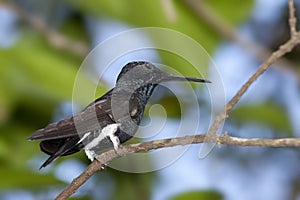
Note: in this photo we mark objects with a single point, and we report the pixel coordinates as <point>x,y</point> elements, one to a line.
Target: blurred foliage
<point>150,13</point>
<point>36,77</point>
<point>198,195</point>
<point>132,186</point>
<point>12,168</point>
<point>267,114</point>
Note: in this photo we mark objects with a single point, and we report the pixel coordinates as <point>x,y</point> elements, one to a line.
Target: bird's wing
<point>100,100</point>
<point>92,118</point>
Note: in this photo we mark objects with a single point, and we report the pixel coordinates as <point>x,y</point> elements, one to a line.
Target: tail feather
<point>59,148</point>
<point>48,161</point>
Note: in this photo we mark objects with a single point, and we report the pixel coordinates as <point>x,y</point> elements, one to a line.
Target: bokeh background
<point>42,46</point>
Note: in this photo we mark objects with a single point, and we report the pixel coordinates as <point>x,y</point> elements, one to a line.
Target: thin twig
<point>226,30</point>
<point>224,139</point>
<point>54,38</point>
<point>292,18</point>
<point>283,49</point>
<point>168,7</point>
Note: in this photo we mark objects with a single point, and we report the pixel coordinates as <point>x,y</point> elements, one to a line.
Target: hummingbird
<point>110,120</point>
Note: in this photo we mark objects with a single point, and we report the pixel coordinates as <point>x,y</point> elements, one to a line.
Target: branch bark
<point>292,18</point>
<point>224,139</point>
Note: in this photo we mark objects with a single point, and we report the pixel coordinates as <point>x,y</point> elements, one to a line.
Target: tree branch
<point>226,30</point>
<point>222,139</point>
<point>292,18</point>
<point>283,49</point>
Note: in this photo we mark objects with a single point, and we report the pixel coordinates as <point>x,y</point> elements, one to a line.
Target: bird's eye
<point>148,66</point>
<point>134,111</point>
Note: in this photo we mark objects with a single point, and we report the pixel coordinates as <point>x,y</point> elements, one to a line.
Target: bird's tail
<point>57,148</point>
<point>48,161</point>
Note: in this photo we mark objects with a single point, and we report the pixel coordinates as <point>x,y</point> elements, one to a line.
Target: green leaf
<point>224,10</point>
<point>25,179</point>
<point>198,195</point>
<point>134,186</point>
<point>267,113</point>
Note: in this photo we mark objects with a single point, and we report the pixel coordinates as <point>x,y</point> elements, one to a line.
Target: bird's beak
<point>168,77</point>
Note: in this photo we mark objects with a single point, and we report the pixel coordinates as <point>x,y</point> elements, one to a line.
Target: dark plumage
<point>109,120</point>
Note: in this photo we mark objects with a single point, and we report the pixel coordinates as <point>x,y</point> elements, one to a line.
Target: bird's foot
<point>91,154</point>
<point>113,138</point>
<point>116,142</point>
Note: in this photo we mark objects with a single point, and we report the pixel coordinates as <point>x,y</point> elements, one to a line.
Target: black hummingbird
<point>111,119</point>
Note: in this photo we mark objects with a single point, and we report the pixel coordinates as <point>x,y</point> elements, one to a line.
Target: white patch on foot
<point>108,131</point>
<point>116,142</point>
<point>90,154</point>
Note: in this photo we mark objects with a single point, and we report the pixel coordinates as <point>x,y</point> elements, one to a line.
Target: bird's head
<point>134,86</point>
<point>146,73</point>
